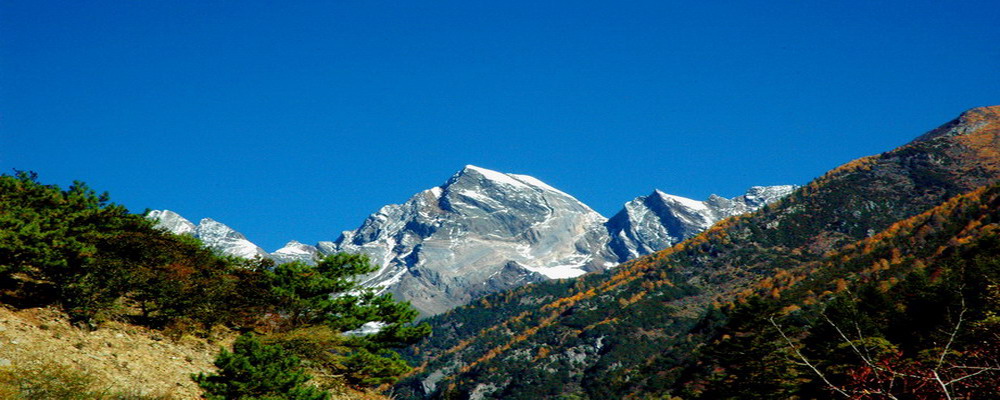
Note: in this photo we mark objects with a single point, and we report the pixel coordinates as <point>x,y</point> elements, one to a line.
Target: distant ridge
<point>484,231</point>
<point>631,332</point>
<point>214,234</point>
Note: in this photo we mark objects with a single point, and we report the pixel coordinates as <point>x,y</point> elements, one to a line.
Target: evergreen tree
<point>328,294</point>
<point>749,359</point>
<point>256,371</point>
<point>57,245</point>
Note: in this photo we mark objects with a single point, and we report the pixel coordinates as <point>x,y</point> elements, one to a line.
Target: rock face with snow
<point>172,222</point>
<point>219,236</point>
<point>480,232</point>
<point>659,220</point>
<point>214,234</point>
<point>295,251</point>
<point>484,231</point>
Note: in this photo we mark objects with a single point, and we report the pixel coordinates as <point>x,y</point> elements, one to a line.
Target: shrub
<point>49,381</point>
<point>254,370</point>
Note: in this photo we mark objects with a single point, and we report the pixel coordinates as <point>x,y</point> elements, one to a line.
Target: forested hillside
<point>650,326</point>
<point>910,311</point>
<point>72,251</point>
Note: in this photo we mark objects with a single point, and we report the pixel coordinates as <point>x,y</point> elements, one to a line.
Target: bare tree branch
<point>944,386</point>
<point>972,374</point>
<point>806,361</point>
<point>848,341</point>
<point>951,339</point>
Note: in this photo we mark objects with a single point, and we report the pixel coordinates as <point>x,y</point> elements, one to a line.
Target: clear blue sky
<point>295,121</point>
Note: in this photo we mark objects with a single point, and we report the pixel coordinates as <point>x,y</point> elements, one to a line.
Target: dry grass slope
<point>39,348</point>
<point>118,357</point>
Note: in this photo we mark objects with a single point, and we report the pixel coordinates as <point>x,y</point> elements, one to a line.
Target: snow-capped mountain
<point>214,234</point>
<point>483,231</point>
<point>172,222</point>
<point>479,232</point>
<point>295,251</point>
<point>659,220</point>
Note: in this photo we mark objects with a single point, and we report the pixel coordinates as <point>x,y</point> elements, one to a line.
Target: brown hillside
<point>121,357</point>
<point>118,357</point>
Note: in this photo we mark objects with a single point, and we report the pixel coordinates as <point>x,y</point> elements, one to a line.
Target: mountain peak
<point>210,222</point>
<point>992,111</point>
<point>480,171</point>
<point>501,179</point>
<point>979,119</point>
<point>473,168</point>
<point>686,202</point>
<point>296,251</point>
<point>488,175</point>
<point>214,234</point>
<point>480,232</point>
<point>484,231</point>
<point>660,220</point>
<point>758,196</point>
<point>172,222</point>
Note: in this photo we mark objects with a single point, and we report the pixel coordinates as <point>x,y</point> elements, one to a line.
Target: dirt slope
<point>121,357</point>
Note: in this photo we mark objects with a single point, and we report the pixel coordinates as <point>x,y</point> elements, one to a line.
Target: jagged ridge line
<point>634,269</point>
<point>625,273</point>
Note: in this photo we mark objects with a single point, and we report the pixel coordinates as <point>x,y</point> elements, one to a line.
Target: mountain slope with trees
<point>910,311</point>
<point>73,250</point>
<point>637,329</point>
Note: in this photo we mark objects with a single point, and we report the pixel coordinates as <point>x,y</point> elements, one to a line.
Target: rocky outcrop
<point>659,220</point>
<point>479,232</point>
<point>214,234</point>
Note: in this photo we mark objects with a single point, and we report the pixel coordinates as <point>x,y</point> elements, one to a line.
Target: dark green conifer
<point>328,294</point>
<point>253,371</point>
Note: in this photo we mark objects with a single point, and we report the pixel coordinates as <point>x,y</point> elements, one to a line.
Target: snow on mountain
<point>484,231</point>
<point>759,196</point>
<point>479,232</point>
<point>219,236</point>
<point>659,220</point>
<point>213,234</point>
<point>172,222</point>
<point>295,251</point>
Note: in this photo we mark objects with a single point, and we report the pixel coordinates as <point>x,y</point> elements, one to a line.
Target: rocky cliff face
<point>214,234</point>
<point>484,231</point>
<point>659,220</point>
<point>172,222</point>
<point>480,232</point>
<point>295,251</point>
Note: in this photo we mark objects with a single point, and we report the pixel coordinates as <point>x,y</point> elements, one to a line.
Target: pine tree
<point>254,370</point>
<point>329,294</point>
<point>54,245</point>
